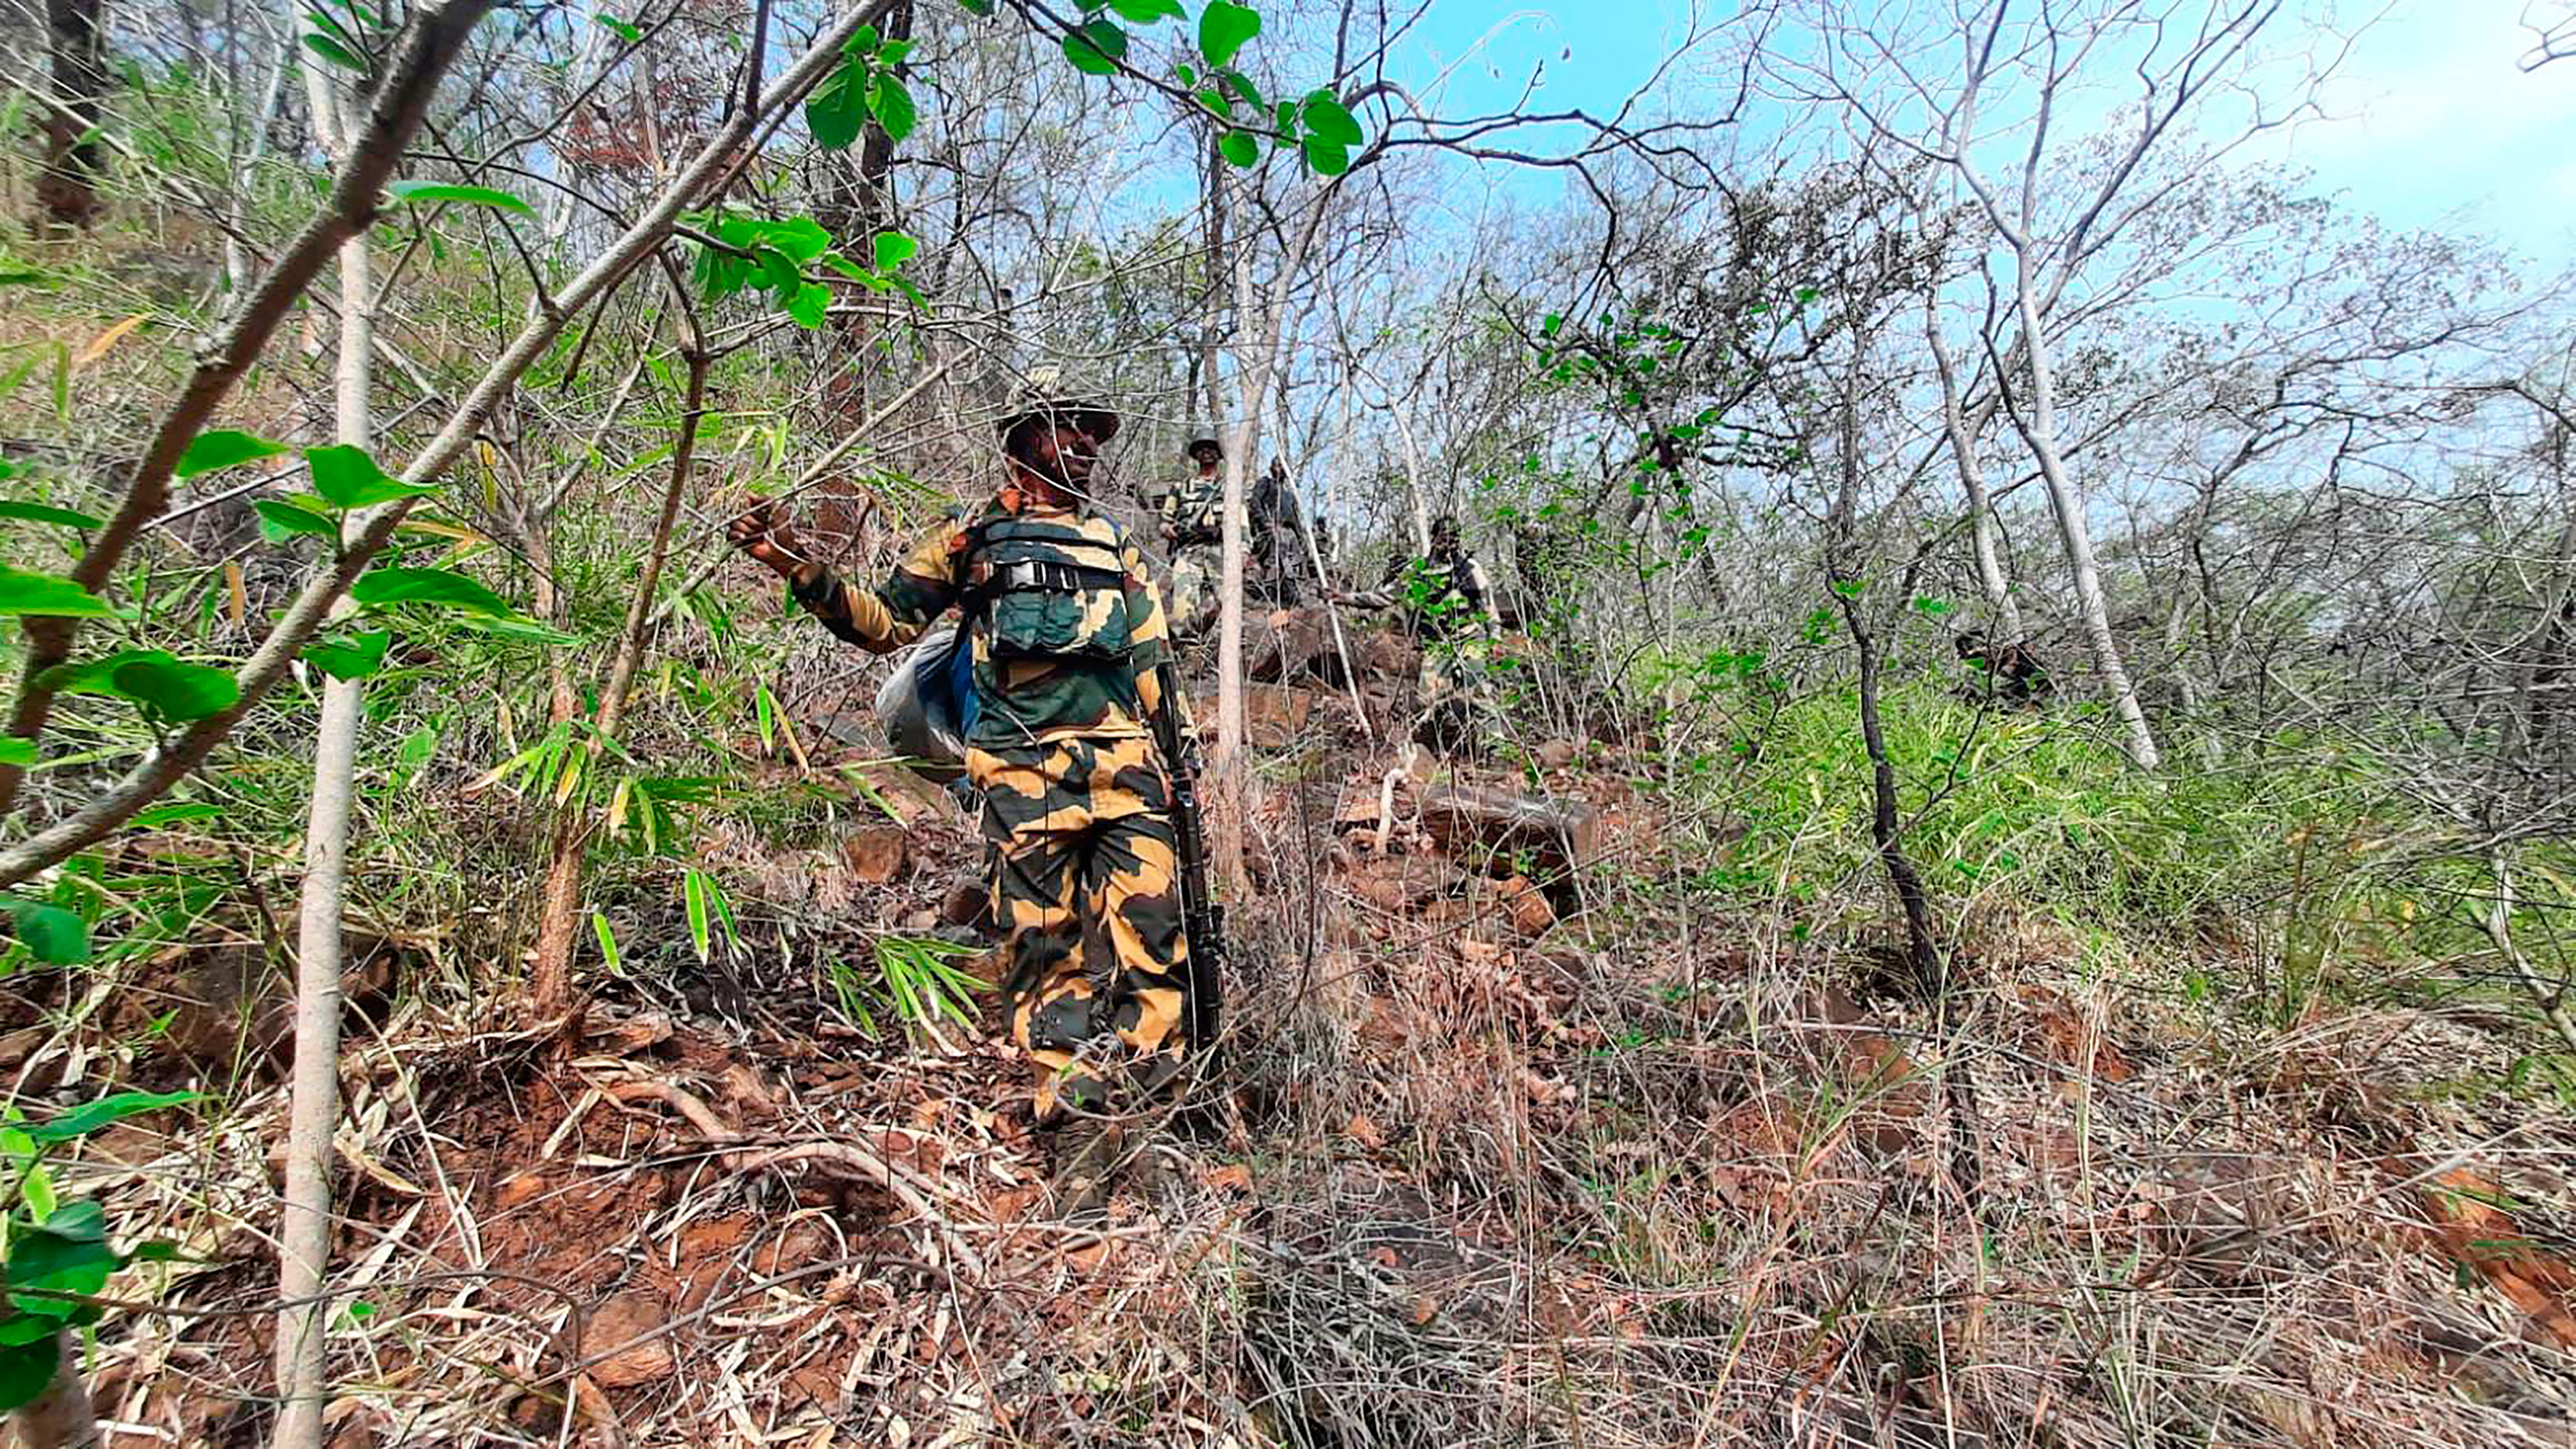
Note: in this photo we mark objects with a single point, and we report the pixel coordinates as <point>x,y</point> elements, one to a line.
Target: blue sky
<point>2431,122</point>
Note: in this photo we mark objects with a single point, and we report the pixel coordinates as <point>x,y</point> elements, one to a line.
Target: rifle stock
<point>1201,917</point>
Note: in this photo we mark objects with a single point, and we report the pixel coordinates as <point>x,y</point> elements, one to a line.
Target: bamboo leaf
<point>47,513</point>
<point>223,448</point>
<point>417,193</point>
<point>49,595</point>
<point>98,345</point>
<point>694,890</point>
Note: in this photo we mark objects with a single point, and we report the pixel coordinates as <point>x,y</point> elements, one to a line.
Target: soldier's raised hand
<point>761,533</point>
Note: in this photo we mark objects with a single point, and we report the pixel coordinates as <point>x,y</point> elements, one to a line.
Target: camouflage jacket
<point>1192,511</point>
<point>1024,699</point>
<point>1440,597</point>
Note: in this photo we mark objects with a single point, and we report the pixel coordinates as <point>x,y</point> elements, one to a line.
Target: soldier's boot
<point>969,904</point>
<point>1087,1158</point>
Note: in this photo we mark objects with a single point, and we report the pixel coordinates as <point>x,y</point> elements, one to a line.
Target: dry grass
<point>1632,1181</point>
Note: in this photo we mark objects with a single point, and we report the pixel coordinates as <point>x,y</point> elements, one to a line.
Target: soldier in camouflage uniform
<point>1191,514</point>
<point>1447,605</point>
<point>1067,631</point>
<point>1280,571</point>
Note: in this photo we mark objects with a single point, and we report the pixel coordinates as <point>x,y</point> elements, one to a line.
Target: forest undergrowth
<point>2013,884</point>
<point>1648,1147</point>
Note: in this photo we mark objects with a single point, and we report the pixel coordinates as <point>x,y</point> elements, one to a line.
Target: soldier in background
<point>1191,515</point>
<point>2011,672</point>
<point>1281,572</point>
<point>1446,602</point>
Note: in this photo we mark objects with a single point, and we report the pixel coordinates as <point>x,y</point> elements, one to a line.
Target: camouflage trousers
<point>1086,888</point>
<point>1197,574</point>
<point>1454,699</point>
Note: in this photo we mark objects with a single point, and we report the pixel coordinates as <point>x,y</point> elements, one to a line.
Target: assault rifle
<point>1201,917</point>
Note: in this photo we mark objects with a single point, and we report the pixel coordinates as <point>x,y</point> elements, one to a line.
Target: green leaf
<point>47,513</point>
<point>977,7</point>
<point>1216,103</point>
<point>778,272</point>
<point>46,1259</point>
<point>97,676</point>
<point>1326,158</point>
<point>25,1369</point>
<point>802,238</point>
<point>1096,47</point>
<point>50,595</point>
<point>1223,28</point>
<point>160,815</point>
<point>19,1328</point>
<point>353,658</point>
<point>51,934</point>
<point>1330,119</point>
<point>17,750</point>
<point>82,1222</point>
<point>333,51</point>
<point>810,304</point>
<point>609,955</point>
<point>177,691</point>
<point>891,104</point>
<point>223,448</point>
<point>416,193</point>
<point>1146,12</point>
<point>1240,148</point>
<point>893,249</point>
<point>519,627</point>
<point>347,478</point>
<point>1184,72</point>
<point>625,30</point>
<point>280,521</point>
<point>89,1117</point>
<point>381,587</point>
<point>694,890</point>
<point>838,106</point>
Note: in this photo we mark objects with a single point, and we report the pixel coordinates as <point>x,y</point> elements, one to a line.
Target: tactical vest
<point>1051,588</point>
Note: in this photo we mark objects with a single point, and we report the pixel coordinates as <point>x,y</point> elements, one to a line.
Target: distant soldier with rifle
<point>1280,570</point>
<point>1108,987</point>
<point>1191,517</point>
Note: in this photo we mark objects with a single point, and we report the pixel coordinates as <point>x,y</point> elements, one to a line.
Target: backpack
<point>928,704</point>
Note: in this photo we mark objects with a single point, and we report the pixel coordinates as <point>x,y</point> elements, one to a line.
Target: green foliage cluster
<point>2035,809</point>
<point>57,1256</point>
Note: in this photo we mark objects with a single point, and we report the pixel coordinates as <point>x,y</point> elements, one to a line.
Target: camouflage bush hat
<point>1043,394</point>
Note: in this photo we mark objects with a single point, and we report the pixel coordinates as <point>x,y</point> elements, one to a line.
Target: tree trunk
<point>1981,508</point>
<point>2038,424</point>
<point>67,187</point>
<point>61,1417</point>
<point>313,1112</point>
<point>1216,267</point>
<point>1252,369</point>
<point>245,174</point>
